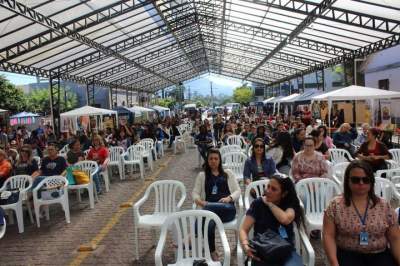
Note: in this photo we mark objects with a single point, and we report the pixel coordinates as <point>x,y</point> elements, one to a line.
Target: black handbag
<point>271,248</point>
<point>13,198</point>
<point>201,262</point>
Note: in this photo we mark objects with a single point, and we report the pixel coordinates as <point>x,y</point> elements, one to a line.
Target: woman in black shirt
<point>25,165</point>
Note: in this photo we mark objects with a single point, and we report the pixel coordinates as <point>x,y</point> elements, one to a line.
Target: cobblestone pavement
<point>109,226</point>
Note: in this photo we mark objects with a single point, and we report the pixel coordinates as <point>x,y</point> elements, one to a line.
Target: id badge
<point>282,232</point>
<point>214,190</point>
<point>364,239</point>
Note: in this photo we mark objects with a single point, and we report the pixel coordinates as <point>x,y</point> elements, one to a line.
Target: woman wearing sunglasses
<point>258,165</point>
<point>359,226</point>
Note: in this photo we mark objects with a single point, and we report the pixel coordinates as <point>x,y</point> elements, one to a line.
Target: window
<point>383,84</point>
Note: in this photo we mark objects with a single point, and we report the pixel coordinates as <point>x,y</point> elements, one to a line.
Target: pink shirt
<point>305,168</point>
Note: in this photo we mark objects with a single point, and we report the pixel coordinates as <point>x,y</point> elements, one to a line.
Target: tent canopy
<point>3,111</point>
<point>160,108</point>
<point>24,114</point>
<point>289,99</point>
<point>307,96</point>
<point>356,93</point>
<point>276,99</point>
<point>140,109</point>
<point>87,110</point>
<point>268,100</point>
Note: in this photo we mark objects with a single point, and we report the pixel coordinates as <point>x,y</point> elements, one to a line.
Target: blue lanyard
<point>362,219</point>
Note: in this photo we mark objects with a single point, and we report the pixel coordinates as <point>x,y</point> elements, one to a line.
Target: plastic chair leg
<point>20,219</point>
<point>136,242</point>
<point>66,210</point>
<point>91,196</point>
<point>37,215</point>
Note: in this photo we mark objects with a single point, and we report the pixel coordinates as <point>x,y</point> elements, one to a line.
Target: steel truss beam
<point>90,91</point>
<point>335,14</point>
<point>290,39</point>
<point>113,97</point>
<point>37,17</point>
<point>32,71</point>
<point>74,26</point>
<point>173,33</point>
<point>279,37</point>
<point>126,44</point>
<point>361,52</point>
<point>55,102</point>
<point>146,58</point>
<point>222,32</point>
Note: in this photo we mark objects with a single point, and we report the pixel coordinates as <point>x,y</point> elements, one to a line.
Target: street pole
<point>212,96</point>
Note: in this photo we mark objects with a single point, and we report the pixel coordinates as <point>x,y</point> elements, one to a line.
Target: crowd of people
<point>352,233</point>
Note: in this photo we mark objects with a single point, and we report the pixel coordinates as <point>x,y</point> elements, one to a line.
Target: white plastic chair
<point>338,173</point>
<point>166,203</point>
<point>339,156</point>
<point>179,140</point>
<point>3,228</point>
<point>148,145</point>
<point>238,140</point>
<point>235,162</point>
<point>384,188</point>
<point>132,157</point>
<point>115,155</point>
<point>190,247</point>
<point>63,152</point>
<point>389,173</point>
<point>315,194</point>
<point>90,168</point>
<point>104,174</point>
<point>22,183</point>
<point>229,148</point>
<point>38,160</point>
<point>396,182</point>
<point>259,187</point>
<point>395,155</point>
<point>302,245</point>
<point>52,181</point>
<point>85,153</point>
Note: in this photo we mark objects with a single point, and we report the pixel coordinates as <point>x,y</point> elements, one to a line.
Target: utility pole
<point>212,96</point>
<point>189,96</point>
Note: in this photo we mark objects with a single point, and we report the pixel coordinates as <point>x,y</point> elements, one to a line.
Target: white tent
<point>3,111</point>
<point>355,93</point>
<point>162,109</point>
<point>287,100</point>
<point>140,109</point>
<point>73,115</point>
<point>268,100</point>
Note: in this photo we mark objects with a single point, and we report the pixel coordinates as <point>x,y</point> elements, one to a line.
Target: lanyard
<point>362,219</point>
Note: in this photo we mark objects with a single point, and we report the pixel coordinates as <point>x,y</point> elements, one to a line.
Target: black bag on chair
<point>271,248</point>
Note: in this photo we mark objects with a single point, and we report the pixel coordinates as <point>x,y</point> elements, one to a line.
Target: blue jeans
<point>96,180</point>
<point>225,211</point>
<point>293,260</point>
<point>203,148</point>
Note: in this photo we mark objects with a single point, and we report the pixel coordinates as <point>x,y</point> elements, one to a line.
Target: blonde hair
<point>99,138</point>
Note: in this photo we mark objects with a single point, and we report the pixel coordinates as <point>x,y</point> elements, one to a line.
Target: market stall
<point>164,112</point>
<point>28,119</point>
<point>145,113</point>
<point>287,102</point>
<point>83,117</point>
<point>356,93</point>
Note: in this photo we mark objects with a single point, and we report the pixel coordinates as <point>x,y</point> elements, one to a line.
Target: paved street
<point>109,227</point>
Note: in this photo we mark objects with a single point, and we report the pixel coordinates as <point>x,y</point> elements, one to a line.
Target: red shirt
<point>99,155</point>
<point>5,169</point>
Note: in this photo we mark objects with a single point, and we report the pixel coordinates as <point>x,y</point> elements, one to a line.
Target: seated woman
<point>258,165</point>
<point>5,167</point>
<point>203,141</point>
<point>320,145</point>
<point>276,210</point>
<point>359,227</point>
<point>309,163</point>
<point>281,151</point>
<point>298,139</point>
<point>75,153</point>
<point>327,140</point>
<point>99,154</point>
<point>216,190</point>
<point>344,136</point>
<point>25,165</point>
<point>373,151</point>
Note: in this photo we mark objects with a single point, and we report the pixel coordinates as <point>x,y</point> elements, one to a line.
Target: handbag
<point>271,248</point>
<point>9,197</point>
<point>201,262</point>
<point>81,177</point>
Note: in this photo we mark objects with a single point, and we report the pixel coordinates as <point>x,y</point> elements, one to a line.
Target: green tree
<point>243,94</point>
<point>167,102</point>
<point>39,100</point>
<point>12,98</point>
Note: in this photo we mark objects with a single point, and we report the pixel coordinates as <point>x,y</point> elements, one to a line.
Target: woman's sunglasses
<point>258,146</point>
<point>357,180</point>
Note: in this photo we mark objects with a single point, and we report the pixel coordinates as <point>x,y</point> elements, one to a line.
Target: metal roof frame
<point>148,45</point>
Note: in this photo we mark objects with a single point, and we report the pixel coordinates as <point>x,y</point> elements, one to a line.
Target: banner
<point>385,112</point>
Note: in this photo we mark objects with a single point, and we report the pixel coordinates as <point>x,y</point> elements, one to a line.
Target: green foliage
<point>243,94</point>
<point>167,102</point>
<point>11,97</point>
<point>38,100</point>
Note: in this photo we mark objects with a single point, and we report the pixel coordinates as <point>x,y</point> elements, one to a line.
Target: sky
<point>221,84</point>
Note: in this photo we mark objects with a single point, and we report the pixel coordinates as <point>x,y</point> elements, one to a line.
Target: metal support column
<point>90,93</point>
<point>130,100</point>
<point>55,103</point>
<point>113,97</point>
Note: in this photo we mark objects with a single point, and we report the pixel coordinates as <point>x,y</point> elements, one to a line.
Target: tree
<point>39,100</point>
<point>167,102</point>
<point>243,94</point>
<point>12,98</point>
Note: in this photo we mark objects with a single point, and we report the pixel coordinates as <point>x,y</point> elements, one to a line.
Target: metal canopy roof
<point>149,45</point>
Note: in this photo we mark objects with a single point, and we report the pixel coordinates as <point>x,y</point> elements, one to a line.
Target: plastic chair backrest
<point>189,224</point>
<point>259,187</point>
<point>165,191</point>
<point>235,140</point>
<point>229,148</point>
<point>147,144</point>
<point>316,193</point>
<point>89,167</point>
<point>339,156</point>
<point>339,169</point>
<point>54,181</point>
<point>20,182</point>
<point>135,152</point>
<point>64,149</point>
<point>114,154</point>
<point>235,161</point>
<point>384,188</point>
<point>389,173</point>
<point>395,155</point>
